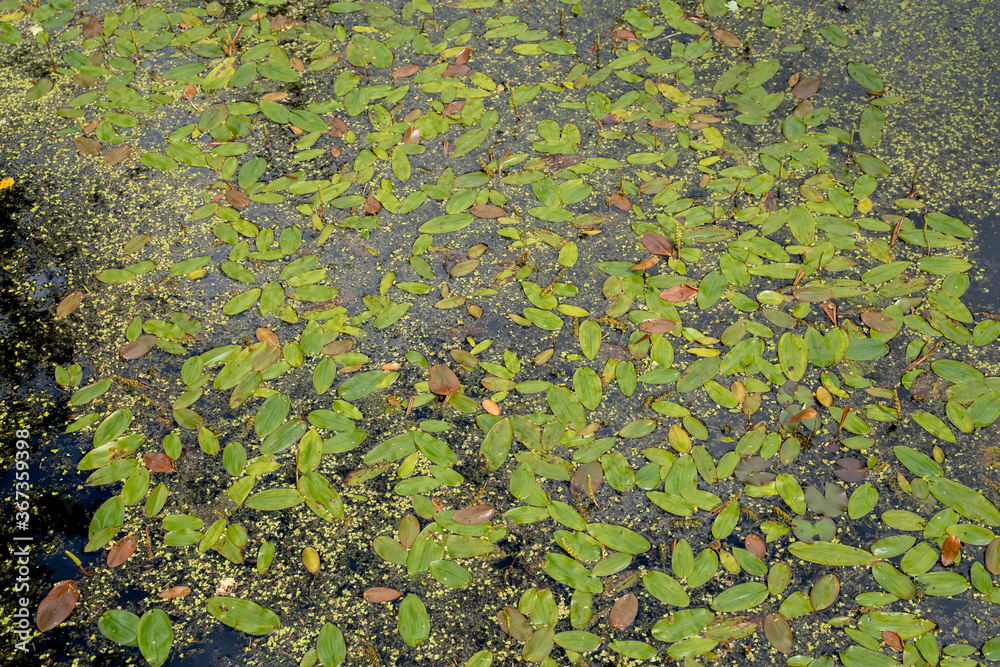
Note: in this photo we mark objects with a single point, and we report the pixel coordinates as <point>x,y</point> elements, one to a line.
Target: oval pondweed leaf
<point>624,611</point>
<point>57,605</point>
<point>443,381</point>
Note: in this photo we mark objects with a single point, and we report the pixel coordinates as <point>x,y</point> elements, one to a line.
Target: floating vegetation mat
<point>485,332</point>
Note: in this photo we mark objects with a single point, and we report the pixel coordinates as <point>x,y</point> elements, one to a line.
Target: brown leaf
<point>706,118</point>
<point>456,70</point>
<point>175,592</point>
<point>556,162</point>
<point>117,155</point>
<point>453,107</point>
<point>473,515</point>
<point>138,347</point>
<point>189,92</point>
<point>265,335</point>
<point>578,482</point>
<point>657,325</point>
<point>661,123</point>
<point>372,205</point>
<point>621,202</point>
<point>950,550</point>
<point>297,64</point>
<point>778,632</point>
<point>88,146</point>
<point>406,71</point>
<point>487,211</point>
<point>892,640</point>
<point>276,96</point>
<point>755,544</point>
<point>411,135</point>
<point>679,293</point>
<point>237,198</point>
<point>647,263</point>
<point>879,321</point>
<point>443,381</point>
<point>93,27</point>
<point>122,551</point>
<point>69,303</point>
<point>381,594</point>
<point>831,311</point>
<point>624,611</point>
<point>57,605</point>
<point>657,244</point>
<point>609,120</point>
<point>794,79</point>
<point>625,34</point>
<point>806,87</point>
<point>726,38</point>
<point>808,413</point>
<point>491,407</point>
<point>338,128</point>
<point>463,56</point>
<point>158,462</point>
<point>337,347</point>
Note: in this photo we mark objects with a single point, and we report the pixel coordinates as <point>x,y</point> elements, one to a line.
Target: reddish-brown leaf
<point>610,119</point>
<point>806,87</point>
<point>950,550</point>
<point>237,198</point>
<point>69,303</point>
<point>991,559</point>
<point>443,380</point>
<point>297,64</point>
<point>657,244</point>
<point>487,211</point>
<point>657,325</point>
<point>831,311</point>
<point>57,605</point>
<point>473,515</point>
<point>93,27</point>
<point>463,56</point>
<point>878,321</point>
<point>381,594</point>
<point>578,482</point>
<point>625,34</point>
<point>158,462</point>
<point>406,71</point>
<point>808,413</point>
<point>411,135</point>
<point>117,155</point>
<point>337,347</point>
<point>175,592</point>
<point>778,632</point>
<point>456,70</point>
<point>892,640</point>
<point>755,544</point>
<point>88,146</point>
<point>647,263</point>
<point>372,205</point>
<point>453,107</point>
<point>138,347</point>
<point>624,611</point>
<point>661,123</point>
<point>621,202</point>
<point>679,293</point>
<point>189,92</point>
<point>122,551</point>
<point>265,335</point>
<point>726,38</point>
